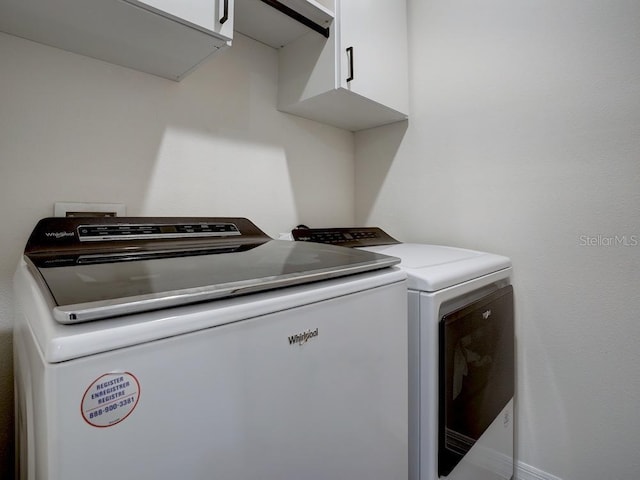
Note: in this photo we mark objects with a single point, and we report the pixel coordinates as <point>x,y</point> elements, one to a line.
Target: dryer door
<point>476,375</point>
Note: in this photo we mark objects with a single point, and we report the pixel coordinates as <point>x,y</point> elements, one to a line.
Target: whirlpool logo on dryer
<point>303,337</point>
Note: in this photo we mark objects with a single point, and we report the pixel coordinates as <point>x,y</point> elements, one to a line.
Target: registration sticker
<point>110,399</point>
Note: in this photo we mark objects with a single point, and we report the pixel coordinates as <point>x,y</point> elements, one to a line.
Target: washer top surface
<point>431,268</point>
<point>94,268</point>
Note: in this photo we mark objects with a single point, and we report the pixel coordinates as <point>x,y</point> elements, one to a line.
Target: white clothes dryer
<point>461,354</point>
<point>168,348</point>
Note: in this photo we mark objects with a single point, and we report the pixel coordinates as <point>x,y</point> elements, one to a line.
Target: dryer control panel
<point>345,237</point>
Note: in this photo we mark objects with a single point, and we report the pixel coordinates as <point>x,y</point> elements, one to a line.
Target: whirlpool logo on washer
<point>303,337</point>
<point>59,235</point>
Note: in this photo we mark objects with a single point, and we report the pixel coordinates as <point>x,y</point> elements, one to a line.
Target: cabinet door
<point>211,16</point>
<point>373,50</point>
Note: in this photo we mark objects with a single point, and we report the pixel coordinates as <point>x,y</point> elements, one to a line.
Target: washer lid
<point>95,268</point>
<point>433,267</point>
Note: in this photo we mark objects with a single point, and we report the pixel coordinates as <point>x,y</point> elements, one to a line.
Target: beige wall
<point>524,140</point>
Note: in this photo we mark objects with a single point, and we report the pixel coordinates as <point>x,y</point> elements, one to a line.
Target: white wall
<point>77,129</point>
<point>524,140</point>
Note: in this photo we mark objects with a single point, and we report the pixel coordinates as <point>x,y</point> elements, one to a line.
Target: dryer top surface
<point>434,267</point>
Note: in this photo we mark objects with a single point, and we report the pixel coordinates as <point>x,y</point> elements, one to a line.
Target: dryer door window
<point>476,373</point>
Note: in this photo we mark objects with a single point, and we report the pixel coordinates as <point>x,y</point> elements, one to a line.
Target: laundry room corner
<point>520,142</point>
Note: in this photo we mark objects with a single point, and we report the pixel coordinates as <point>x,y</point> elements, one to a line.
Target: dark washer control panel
<point>152,231</point>
<point>346,237</point>
<point>56,238</point>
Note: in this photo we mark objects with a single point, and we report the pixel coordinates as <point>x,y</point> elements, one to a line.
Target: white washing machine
<point>461,354</point>
<point>201,349</point>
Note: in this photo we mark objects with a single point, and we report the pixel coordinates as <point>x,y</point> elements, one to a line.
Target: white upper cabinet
<point>168,38</point>
<point>211,16</point>
<point>376,61</point>
<point>278,22</point>
<point>358,77</point>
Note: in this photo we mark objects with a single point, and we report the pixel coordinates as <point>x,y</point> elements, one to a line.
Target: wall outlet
<point>70,209</point>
